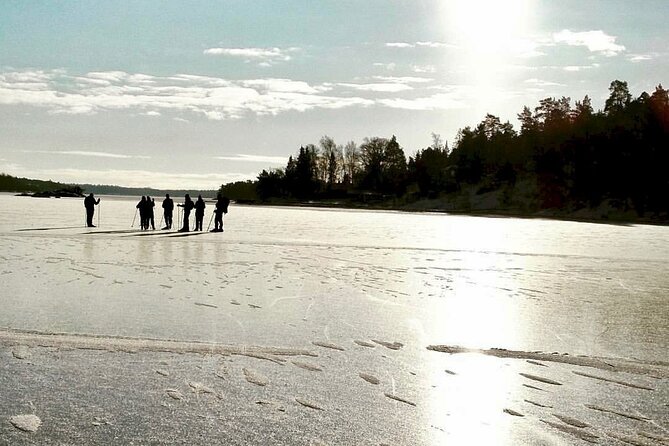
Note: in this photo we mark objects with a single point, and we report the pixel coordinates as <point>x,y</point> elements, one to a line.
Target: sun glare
<point>491,35</point>
<point>489,25</point>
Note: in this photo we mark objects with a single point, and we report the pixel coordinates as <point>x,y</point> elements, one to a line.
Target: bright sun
<point>489,25</point>
<point>490,35</point>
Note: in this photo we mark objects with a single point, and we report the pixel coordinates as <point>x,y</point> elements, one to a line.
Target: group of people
<point>145,208</point>
<point>146,205</point>
<point>146,214</point>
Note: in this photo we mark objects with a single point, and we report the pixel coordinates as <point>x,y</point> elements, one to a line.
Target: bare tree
<point>437,142</point>
<point>330,161</point>
<point>351,161</point>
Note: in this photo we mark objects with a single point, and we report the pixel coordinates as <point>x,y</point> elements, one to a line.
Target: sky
<point>194,94</point>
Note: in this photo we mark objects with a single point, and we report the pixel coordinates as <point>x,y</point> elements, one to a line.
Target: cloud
<point>525,48</point>
<point>265,56</point>
<point>254,158</point>
<point>388,66</point>
<point>251,53</point>
<point>211,97</point>
<point>640,57</point>
<point>541,83</point>
<point>108,76</point>
<point>86,153</point>
<point>420,44</point>
<point>423,69</point>
<point>29,80</point>
<point>440,101</point>
<point>283,85</point>
<point>404,79</point>
<point>596,41</point>
<point>380,87</point>
<point>400,45</point>
<point>388,84</point>
<point>577,68</point>
<point>435,44</point>
<point>184,96</point>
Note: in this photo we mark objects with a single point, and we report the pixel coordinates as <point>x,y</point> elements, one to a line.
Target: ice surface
<point>348,294</point>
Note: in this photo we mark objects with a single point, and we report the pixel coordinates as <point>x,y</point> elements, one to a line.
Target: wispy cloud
<point>425,44</point>
<point>284,86</point>
<point>404,79</point>
<point>577,68</point>
<point>388,66</point>
<point>526,48</point>
<point>86,153</point>
<point>379,87</point>
<point>641,57</point>
<point>183,96</point>
<point>435,44</point>
<point>400,45</point>
<point>214,98</point>
<point>439,101</point>
<point>423,68</point>
<point>254,158</point>
<point>265,56</point>
<point>388,84</point>
<point>596,41</point>
<point>542,83</point>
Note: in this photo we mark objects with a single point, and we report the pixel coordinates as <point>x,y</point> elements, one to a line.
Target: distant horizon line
<point>117,186</point>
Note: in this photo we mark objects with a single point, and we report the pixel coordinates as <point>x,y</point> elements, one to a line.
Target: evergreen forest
<point>565,158</point>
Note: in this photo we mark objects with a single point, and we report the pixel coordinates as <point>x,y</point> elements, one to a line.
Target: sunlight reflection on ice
<point>469,404</point>
<point>476,307</point>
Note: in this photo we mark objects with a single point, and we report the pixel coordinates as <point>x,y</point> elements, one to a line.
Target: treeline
<point>102,189</point>
<point>330,170</point>
<point>578,157</point>
<point>9,183</point>
<point>575,157</point>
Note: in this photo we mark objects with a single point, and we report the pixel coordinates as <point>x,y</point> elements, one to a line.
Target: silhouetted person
<point>222,204</point>
<point>150,204</point>
<point>199,212</point>
<point>142,213</point>
<point>89,204</point>
<point>168,207</point>
<point>188,206</point>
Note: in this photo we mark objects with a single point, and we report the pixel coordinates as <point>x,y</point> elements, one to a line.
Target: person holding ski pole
<point>150,204</point>
<point>222,204</point>
<point>187,207</point>
<point>89,204</point>
<point>168,207</point>
<point>199,212</point>
<point>141,206</point>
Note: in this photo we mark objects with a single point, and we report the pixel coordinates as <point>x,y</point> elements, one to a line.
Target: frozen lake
<point>367,292</point>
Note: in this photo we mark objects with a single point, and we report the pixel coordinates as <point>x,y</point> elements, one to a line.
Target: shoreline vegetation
<point>466,202</point>
<point>41,188</point>
<point>566,162</point>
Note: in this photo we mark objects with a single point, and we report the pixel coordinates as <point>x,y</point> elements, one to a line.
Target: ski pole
<point>209,225</point>
<point>133,219</point>
<point>99,212</point>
